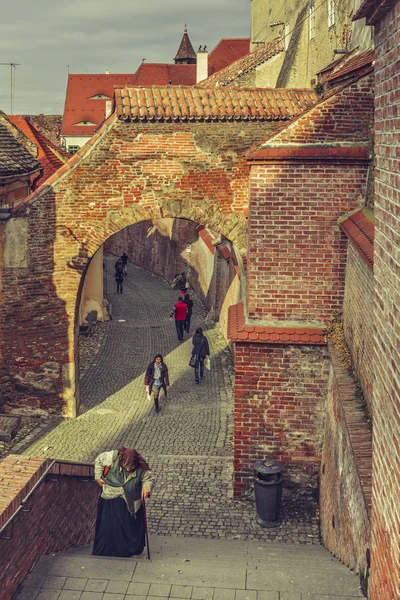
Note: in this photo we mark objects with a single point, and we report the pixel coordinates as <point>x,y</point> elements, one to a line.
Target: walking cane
<point>145,529</point>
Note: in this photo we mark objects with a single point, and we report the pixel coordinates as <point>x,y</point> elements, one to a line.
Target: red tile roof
<point>359,228</point>
<point>163,74</point>
<point>49,156</point>
<point>185,50</point>
<point>373,10</point>
<point>244,64</point>
<point>351,66</point>
<point>227,51</point>
<point>79,107</point>
<point>238,331</point>
<point>200,104</point>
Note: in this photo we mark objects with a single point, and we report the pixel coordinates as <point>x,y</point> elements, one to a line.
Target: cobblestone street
<point>189,443</point>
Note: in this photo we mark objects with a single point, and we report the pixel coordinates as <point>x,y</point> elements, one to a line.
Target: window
<point>331,13</point>
<point>312,20</point>
<point>88,123</point>
<point>287,35</point>
<point>73,149</point>
<point>100,97</point>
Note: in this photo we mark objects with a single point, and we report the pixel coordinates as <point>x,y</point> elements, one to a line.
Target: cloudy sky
<point>91,36</point>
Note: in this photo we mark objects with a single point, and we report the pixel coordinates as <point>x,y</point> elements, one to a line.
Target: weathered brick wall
<point>297,258</point>
<point>385,578</point>
<point>135,172</point>
<point>358,320</point>
<point>345,496</point>
<point>62,514</point>
<point>279,404</point>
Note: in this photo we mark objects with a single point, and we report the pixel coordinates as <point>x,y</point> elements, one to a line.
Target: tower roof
<point>186,54</point>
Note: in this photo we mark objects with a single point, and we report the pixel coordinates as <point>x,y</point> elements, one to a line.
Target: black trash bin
<point>268,483</point>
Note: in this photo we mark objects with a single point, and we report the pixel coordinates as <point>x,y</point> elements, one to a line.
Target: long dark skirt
<point>118,533</point>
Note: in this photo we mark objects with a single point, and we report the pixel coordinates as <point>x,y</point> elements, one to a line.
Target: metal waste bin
<point>268,483</point>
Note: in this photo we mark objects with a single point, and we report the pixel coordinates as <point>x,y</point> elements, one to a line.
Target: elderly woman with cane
<point>126,482</point>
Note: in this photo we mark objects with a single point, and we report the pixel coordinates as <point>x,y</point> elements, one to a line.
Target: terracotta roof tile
<point>349,67</point>
<point>80,105</point>
<point>238,331</point>
<point>359,228</point>
<point>49,156</point>
<point>203,104</point>
<point>244,64</point>
<point>226,52</point>
<point>373,10</point>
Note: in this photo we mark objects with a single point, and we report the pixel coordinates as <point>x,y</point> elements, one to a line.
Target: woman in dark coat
<point>126,481</point>
<point>201,349</point>
<point>156,378</point>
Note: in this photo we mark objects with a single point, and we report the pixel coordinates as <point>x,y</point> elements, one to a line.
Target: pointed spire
<point>186,54</point>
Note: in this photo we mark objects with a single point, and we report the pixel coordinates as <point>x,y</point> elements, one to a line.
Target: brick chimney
<point>201,64</point>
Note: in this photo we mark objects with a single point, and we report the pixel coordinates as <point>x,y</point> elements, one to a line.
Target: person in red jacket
<point>179,311</point>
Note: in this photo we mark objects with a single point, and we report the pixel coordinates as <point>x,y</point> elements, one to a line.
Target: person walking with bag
<point>183,285</point>
<point>156,379</point>
<point>119,278</point>
<point>200,351</point>
<point>126,481</point>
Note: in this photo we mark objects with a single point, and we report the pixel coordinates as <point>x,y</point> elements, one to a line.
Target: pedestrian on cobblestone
<point>119,278</point>
<point>124,259</point>
<point>189,302</point>
<point>183,285</point>
<point>126,482</point>
<point>119,265</point>
<point>200,350</point>
<point>156,379</point>
<point>179,312</point>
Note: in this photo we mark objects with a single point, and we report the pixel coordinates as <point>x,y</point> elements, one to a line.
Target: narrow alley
<point>189,443</point>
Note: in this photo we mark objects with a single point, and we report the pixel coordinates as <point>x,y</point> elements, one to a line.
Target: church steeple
<point>186,54</point>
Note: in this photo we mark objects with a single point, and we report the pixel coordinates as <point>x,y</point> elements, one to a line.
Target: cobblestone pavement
<point>189,443</point>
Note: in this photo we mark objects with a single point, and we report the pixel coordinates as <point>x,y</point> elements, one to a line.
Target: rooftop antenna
<point>12,67</point>
<point>185,28</point>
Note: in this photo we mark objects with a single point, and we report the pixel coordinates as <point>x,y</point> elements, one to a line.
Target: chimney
<point>201,64</point>
<point>109,104</point>
<point>106,72</point>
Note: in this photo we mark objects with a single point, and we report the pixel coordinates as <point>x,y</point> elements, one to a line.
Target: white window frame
<point>312,21</point>
<point>287,35</point>
<point>331,13</point>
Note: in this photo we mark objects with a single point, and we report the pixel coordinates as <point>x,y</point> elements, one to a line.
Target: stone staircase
<point>194,569</point>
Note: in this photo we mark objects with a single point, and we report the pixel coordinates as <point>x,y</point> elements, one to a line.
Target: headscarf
<point>128,457</point>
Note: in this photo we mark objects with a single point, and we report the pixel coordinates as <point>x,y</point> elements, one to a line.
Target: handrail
<point>24,500</point>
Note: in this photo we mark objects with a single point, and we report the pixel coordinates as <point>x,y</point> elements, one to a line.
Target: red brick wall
<point>297,254</point>
<point>358,320</point>
<point>345,525</point>
<point>385,579</point>
<point>136,172</point>
<point>280,394</point>
<point>62,514</point>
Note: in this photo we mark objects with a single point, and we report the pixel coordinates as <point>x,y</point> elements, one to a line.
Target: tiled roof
<point>201,104</point>
<point>50,156</point>
<point>238,331</point>
<point>79,106</point>
<point>244,64</point>
<point>359,228</point>
<point>49,125</point>
<point>185,50</point>
<point>353,66</point>
<point>15,158</point>
<point>373,10</point>
<point>226,52</point>
<point>163,74</point>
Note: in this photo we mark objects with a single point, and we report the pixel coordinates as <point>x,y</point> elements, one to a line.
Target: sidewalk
<point>194,569</point>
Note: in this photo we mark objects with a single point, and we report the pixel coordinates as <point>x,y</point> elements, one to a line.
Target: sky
<point>92,36</point>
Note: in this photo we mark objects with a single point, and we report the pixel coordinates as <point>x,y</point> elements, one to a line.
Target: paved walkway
<point>189,446</point>
<point>191,436</point>
<point>194,569</point>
